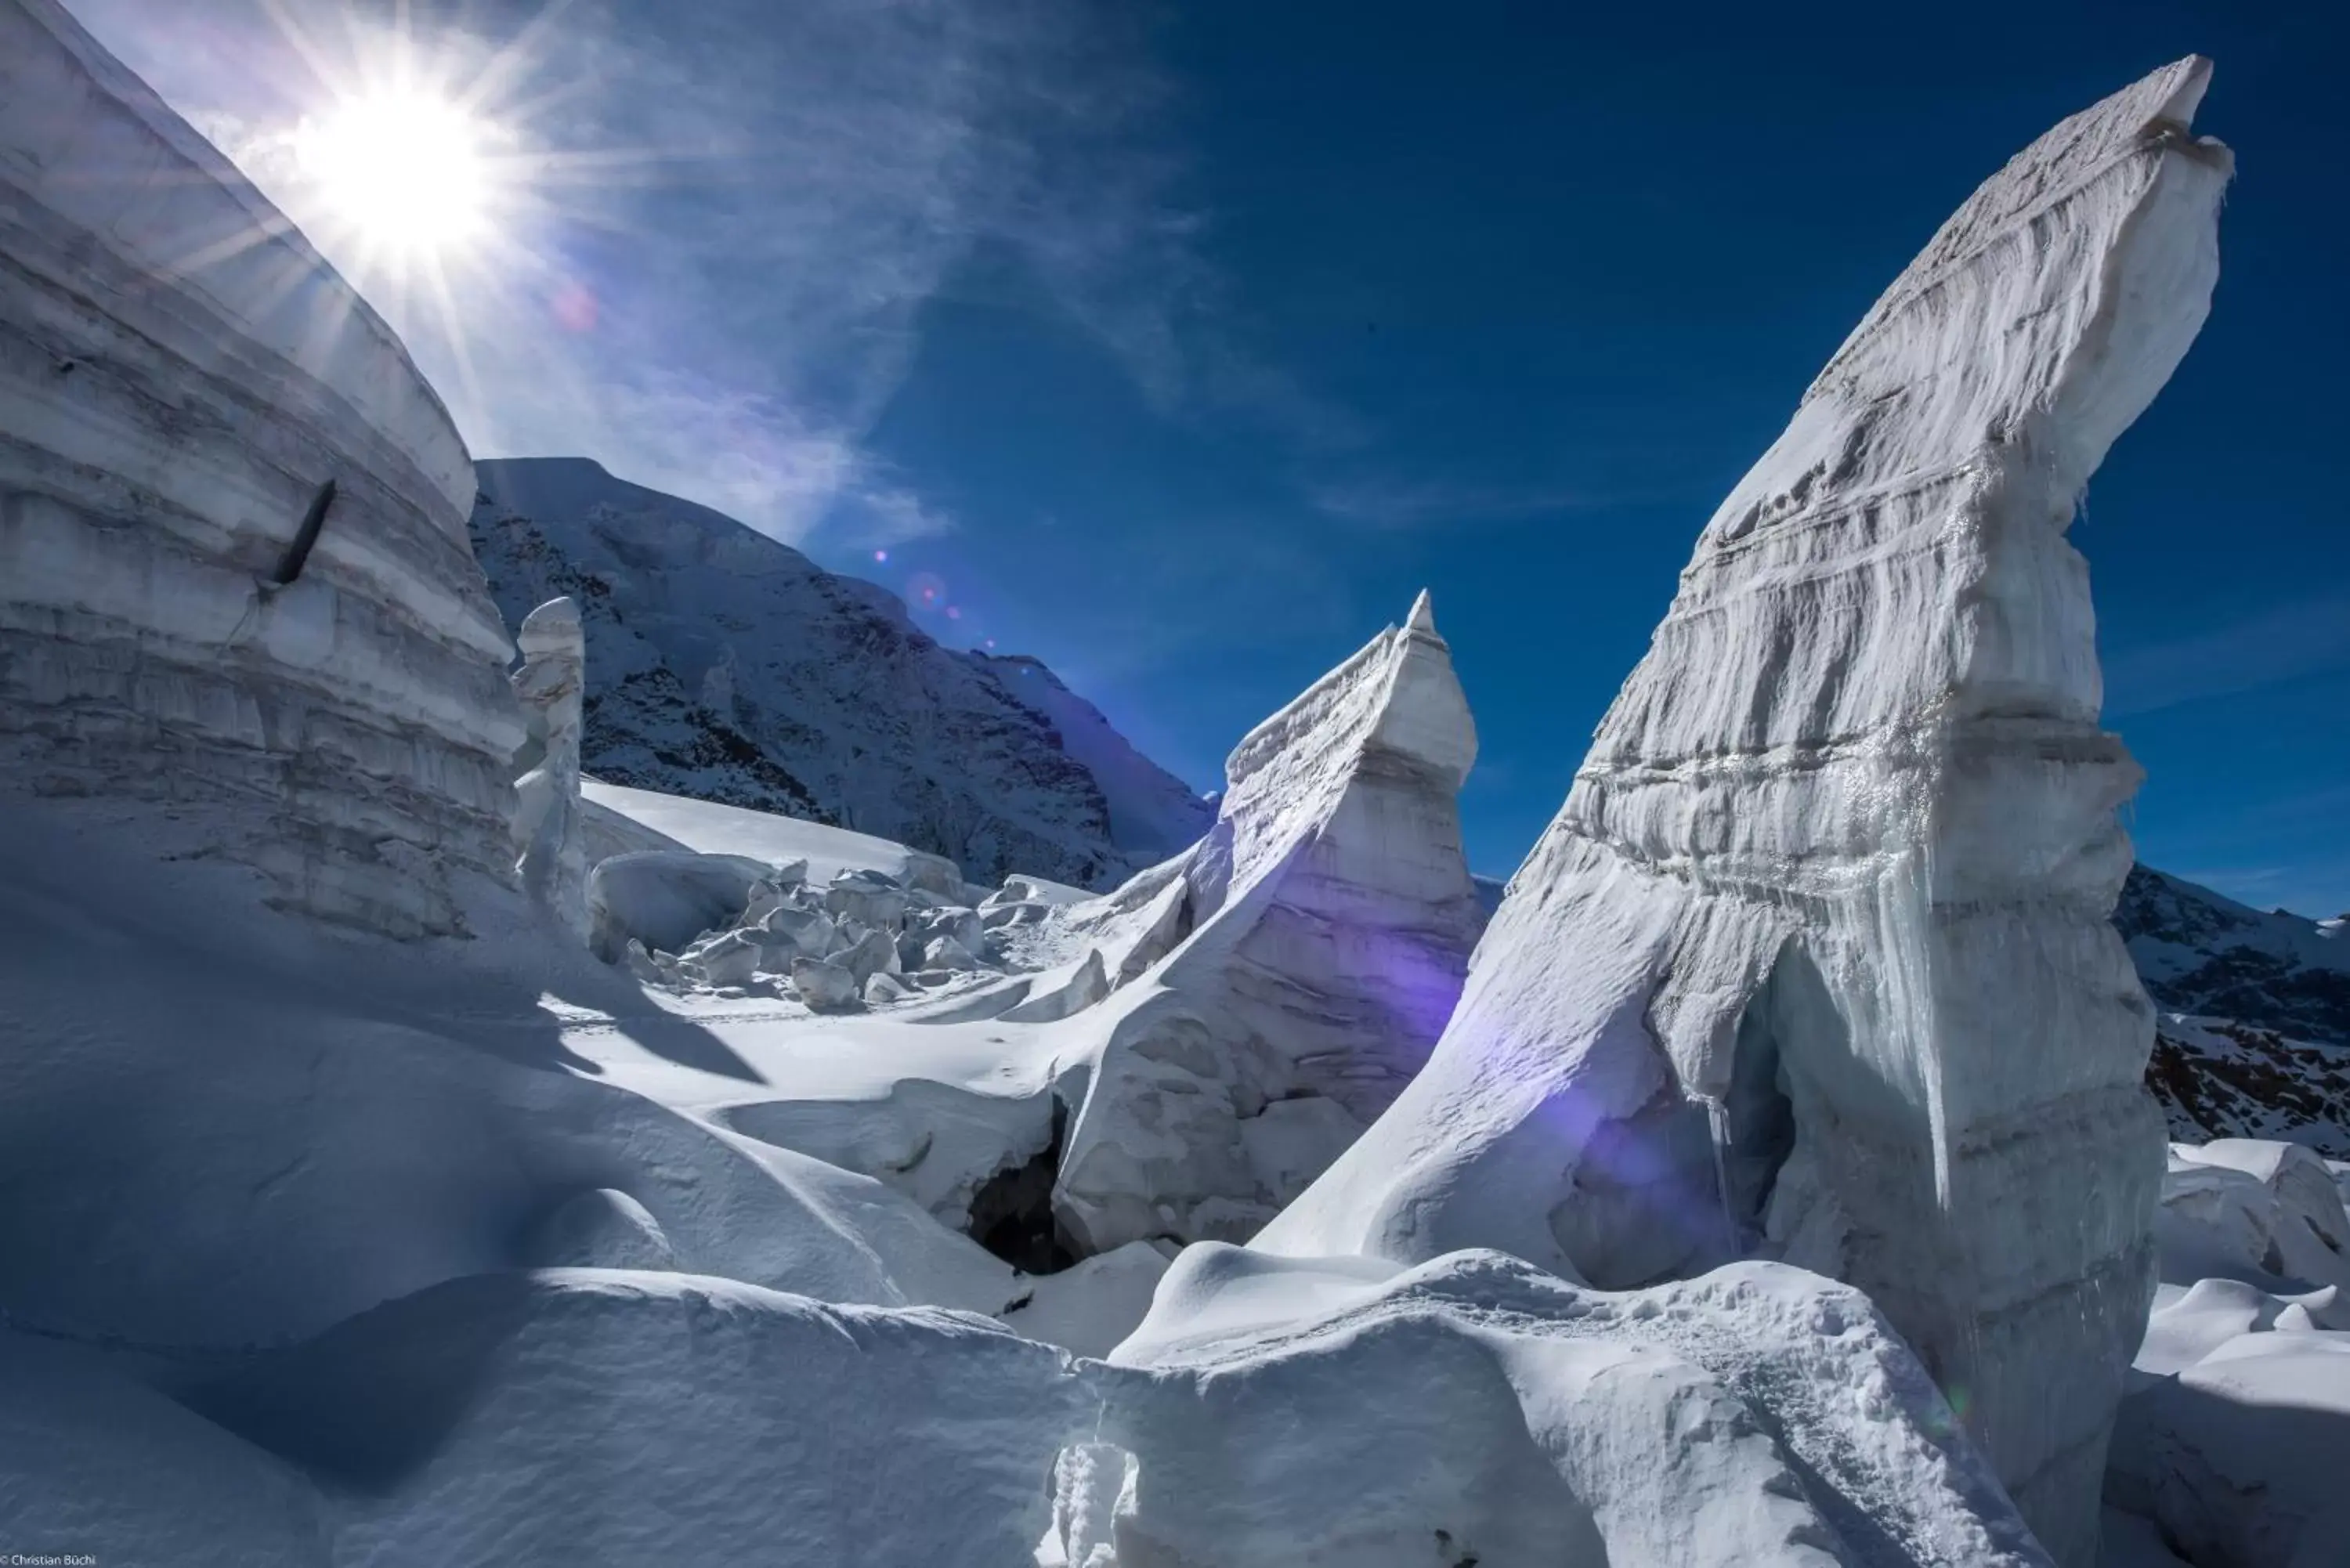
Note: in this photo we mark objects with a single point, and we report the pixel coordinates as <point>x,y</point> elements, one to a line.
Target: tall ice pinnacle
<point>551,851</point>
<point>1282,980</point>
<point>1814,960</point>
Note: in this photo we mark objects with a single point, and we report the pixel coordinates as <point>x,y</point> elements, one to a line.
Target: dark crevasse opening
<point>1012,1213</point>
<point>1758,1119</point>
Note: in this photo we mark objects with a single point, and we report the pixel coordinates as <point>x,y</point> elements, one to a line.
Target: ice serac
<point>550,840</point>
<point>186,610</point>
<point>1284,979</point>
<point>1814,960</point>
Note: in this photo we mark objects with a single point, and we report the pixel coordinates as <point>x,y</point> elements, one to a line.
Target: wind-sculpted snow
<point>724,665</point>
<point>1472,1411</point>
<point>1284,980</point>
<point>2235,1436</point>
<point>1815,957</point>
<point>181,380</point>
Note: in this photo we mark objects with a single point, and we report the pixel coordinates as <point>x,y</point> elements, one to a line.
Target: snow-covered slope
<point>455,1252</point>
<point>2253,1040</point>
<point>1816,956</point>
<point>725,666</point>
<point>181,377</point>
<point>2201,952</point>
<point>1152,814</point>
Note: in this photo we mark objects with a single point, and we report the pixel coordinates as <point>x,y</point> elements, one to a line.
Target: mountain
<point>2253,1035</point>
<point>725,666</point>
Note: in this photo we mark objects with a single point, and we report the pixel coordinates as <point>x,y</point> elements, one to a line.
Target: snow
<point>714,829</point>
<point>2235,1437</point>
<point>1569,1412</point>
<point>664,899</point>
<point>322,1258</point>
<point>1473,1413</point>
<point>1815,958</point>
<point>727,666</point>
<point>354,1211</point>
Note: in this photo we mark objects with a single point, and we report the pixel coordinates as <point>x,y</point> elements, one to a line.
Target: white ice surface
<point>1815,959</point>
<point>1279,983</point>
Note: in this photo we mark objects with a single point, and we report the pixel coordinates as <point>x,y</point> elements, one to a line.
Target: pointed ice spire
<point>1423,614</point>
<point>1821,874</point>
<point>1307,952</point>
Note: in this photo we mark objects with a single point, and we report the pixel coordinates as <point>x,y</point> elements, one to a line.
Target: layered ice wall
<point>181,377</point>
<point>1815,960</point>
<point>1290,971</point>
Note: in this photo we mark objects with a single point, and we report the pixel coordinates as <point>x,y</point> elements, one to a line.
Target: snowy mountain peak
<point>2201,952</point>
<point>725,665</point>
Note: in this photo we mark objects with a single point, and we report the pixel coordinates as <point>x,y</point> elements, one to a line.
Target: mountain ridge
<point>2252,1021</point>
<point>726,665</point>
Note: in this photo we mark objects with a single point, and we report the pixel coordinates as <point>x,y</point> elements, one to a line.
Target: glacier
<point>186,384</point>
<point>1815,958</point>
<point>329,1236</point>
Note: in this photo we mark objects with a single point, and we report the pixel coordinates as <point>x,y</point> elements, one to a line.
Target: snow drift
<point>1472,1411</point>
<point>233,567</point>
<point>2235,1436</point>
<point>1815,958</point>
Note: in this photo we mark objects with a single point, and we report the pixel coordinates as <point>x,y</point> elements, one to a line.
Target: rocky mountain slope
<point>726,665</point>
<point>2253,1035</point>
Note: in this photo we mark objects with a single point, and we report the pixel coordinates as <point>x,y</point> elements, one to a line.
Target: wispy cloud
<point>729,215</point>
<point>2300,637</point>
<point>1415,504</point>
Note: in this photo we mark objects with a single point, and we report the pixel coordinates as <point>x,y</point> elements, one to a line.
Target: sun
<point>408,169</point>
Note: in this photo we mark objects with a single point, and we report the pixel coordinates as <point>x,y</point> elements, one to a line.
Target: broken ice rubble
<point>1815,958</point>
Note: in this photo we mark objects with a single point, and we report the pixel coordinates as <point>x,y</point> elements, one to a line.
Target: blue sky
<point>1183,346</point>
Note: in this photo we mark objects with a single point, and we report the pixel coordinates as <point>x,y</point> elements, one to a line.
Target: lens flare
<point>405,167</point>
<point>925,590</point>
